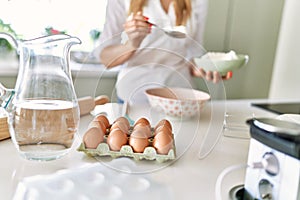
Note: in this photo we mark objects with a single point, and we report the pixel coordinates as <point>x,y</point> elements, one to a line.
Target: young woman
<point>149,57</point>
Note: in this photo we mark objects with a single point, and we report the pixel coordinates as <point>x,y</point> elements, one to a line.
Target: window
<point>30,18</point>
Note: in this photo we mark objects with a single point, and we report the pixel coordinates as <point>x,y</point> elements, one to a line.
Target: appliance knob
<point>271,164</point>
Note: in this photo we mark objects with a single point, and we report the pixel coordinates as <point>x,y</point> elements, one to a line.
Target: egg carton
<point>115,180</point>
<point>149,153</point>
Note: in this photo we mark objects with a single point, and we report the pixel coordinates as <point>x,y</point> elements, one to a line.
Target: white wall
<point>248,27</point>
<point>286,75</point>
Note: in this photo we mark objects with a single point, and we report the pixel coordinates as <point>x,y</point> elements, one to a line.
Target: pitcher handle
<point>12,41</point>
<point>6,96</point>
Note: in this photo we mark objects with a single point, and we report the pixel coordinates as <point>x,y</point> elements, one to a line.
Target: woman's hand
<point>213,76</point>
<point>136,28</point>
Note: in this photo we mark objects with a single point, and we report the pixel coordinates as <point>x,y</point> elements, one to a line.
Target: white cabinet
<point>95,86</point>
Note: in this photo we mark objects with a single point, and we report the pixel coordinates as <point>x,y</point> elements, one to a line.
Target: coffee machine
<point>273,170</point>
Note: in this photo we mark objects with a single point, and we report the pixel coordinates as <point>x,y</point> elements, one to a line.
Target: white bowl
<point>223,64</point>
<point>177,102</point>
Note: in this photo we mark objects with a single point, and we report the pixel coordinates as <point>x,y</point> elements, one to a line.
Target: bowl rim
<point>240,57</point>
<point>205,98</point>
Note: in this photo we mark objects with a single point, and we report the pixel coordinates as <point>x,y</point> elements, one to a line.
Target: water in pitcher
<point>44,129</point>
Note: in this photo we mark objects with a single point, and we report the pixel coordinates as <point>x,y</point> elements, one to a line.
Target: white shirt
<point>161,60</point>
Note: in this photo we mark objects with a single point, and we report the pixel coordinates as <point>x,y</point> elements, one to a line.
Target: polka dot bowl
<point>177,102</point>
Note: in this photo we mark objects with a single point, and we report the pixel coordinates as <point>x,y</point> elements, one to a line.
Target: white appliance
<point>274,160</point>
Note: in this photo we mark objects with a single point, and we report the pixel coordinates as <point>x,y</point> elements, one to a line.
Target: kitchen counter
<point>203,151</point>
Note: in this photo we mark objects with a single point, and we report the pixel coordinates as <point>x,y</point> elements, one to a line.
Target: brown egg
<point>163,128</point>
<point>93,137</point>
<point>163,143</point>
<point>123,120</point>
<point>98,124</point>
<point>164,122</point>
<point>120,125</point>
<point>139,132</point>
<point>144,129</point>
<point>103,119</point>
<point>116,139</point>
<point>142,120</point>
<point>138,141</point>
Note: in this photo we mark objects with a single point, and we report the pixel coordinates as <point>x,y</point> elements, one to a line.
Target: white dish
<point>221,62</point>
<point>84,57</point>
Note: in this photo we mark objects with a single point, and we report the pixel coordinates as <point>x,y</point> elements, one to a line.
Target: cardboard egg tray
<point>127,151</point>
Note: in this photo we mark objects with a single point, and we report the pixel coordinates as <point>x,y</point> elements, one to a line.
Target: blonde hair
<point>182,9</point>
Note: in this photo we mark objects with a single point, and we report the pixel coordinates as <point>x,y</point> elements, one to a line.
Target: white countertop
<point>191,176</point>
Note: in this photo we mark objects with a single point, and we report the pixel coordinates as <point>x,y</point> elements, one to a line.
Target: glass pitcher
<point>44,112</point>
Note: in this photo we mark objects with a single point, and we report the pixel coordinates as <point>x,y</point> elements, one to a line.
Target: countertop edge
<point>77,69</point>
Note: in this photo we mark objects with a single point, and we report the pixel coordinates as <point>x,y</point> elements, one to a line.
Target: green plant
<point>95,34</point>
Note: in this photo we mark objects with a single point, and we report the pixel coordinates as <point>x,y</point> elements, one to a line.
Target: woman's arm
<point>114,55</point>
